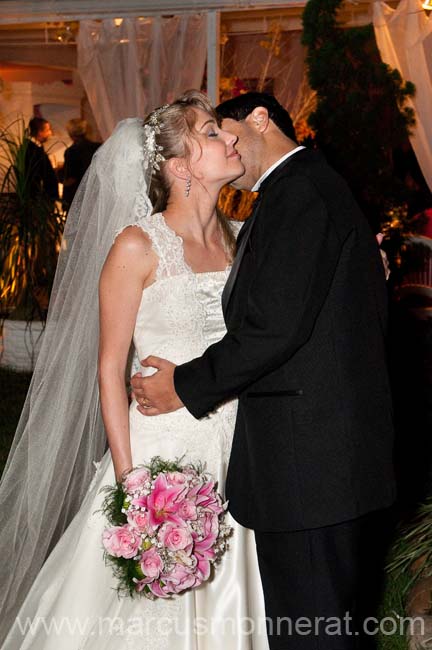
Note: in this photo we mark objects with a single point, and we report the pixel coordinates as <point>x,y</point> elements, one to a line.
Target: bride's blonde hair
<point>177,128</point>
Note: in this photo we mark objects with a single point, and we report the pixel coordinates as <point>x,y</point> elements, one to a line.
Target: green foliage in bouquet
<point>157,465</point>
<point>31,227</point>
<point>113,504</point>
<point>361,115</point>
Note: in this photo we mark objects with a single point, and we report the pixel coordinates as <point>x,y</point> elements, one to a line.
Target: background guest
<point>77,158</point>
<point>39,170</point>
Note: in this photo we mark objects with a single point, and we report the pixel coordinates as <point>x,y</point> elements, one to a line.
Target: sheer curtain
<point>131,66</point>
<point>404,37</point>
<point>272,61</point>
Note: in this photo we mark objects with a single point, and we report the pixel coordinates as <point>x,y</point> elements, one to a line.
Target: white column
<point>213,56</point>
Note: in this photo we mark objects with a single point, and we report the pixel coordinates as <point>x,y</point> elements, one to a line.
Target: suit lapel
<point>244,234</point>
<point>247,228</point>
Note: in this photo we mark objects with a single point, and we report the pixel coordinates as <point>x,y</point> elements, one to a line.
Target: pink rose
<point>121,541</point>
<point>136,479</point>
<point>140,520</point>
<point>174,537</point>
<point>181,578</point>
<point>175,478</point>
<point>151,564</point>
<point>187,510</point>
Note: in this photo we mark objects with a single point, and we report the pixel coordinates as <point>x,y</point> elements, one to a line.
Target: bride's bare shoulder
<point>131,252</point>
<point>133,239</point>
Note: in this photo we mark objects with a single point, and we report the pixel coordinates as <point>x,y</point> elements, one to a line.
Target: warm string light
<point>61,32</point>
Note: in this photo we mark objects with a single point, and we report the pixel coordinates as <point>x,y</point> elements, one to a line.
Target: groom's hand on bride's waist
<point>156,394</point>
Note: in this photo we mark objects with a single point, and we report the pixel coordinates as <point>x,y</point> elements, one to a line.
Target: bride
<point>143,236</point>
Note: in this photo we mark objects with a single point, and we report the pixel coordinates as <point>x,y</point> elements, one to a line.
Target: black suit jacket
<point>41,175</point>
<point>77,159</point>
<point>305,353</point>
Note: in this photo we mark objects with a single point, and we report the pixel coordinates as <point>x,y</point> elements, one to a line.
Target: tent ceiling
<point>31,32</point>
<point>24,11</point>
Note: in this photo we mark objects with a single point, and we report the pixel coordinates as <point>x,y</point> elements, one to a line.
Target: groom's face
<point>247,146</point>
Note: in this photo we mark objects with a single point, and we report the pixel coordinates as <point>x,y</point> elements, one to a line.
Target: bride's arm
<point>127,270</point>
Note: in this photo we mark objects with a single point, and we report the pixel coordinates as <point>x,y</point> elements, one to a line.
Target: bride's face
<point>214,158</point>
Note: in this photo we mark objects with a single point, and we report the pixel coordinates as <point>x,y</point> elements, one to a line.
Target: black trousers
<point>321,585</point>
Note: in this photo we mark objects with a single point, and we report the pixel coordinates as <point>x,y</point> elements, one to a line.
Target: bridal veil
<point>60,434</point>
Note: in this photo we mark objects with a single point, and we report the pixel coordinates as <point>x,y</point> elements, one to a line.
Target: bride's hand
<point>156,394</point>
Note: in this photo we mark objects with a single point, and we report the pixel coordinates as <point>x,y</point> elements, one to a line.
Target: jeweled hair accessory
<point>152,150</point>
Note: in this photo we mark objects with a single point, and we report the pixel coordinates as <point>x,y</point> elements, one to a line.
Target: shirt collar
<point>36,142</point>
<point>273,167</point>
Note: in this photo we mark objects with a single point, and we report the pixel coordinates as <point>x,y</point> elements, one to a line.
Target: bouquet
<point>166,528</point>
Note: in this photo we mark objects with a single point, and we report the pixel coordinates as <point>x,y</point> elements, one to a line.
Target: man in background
<point>39,170</point>
<point>77,158</point>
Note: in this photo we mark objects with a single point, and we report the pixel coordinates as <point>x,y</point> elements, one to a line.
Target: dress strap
<point>167,245</point>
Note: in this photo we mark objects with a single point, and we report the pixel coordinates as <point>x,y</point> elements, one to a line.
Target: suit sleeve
<point>50,178</point>
<point>299,249</point>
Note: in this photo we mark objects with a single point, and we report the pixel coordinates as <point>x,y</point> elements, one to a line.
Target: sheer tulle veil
<point>60,433</point>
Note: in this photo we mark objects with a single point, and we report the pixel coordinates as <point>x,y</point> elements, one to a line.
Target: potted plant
<point>31,226</point>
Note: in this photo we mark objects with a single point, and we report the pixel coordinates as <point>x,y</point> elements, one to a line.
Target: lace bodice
<point>180,314</point>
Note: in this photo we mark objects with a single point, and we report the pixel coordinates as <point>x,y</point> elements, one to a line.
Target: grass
<point>13,389</point>
<point>392,607</point>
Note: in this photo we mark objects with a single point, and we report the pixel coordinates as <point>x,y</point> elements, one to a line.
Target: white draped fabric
<point>404,38</point>
<point>129,69</point>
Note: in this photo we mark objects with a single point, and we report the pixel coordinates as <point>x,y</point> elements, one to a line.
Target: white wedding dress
<point>73,604</point>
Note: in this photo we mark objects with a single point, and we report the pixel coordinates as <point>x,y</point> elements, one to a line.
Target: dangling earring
<point>188,186</point>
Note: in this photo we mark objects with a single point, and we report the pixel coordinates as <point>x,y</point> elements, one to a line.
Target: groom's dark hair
<point>238,108</point>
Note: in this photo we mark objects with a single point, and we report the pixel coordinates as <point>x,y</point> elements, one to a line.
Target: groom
<point>305,308</point>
